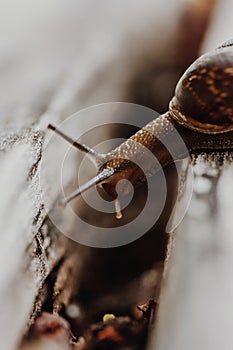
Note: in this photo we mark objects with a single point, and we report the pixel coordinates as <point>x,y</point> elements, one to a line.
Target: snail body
<point>201,112</point>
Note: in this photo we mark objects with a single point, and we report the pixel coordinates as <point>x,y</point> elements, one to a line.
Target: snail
<point>201,112</point>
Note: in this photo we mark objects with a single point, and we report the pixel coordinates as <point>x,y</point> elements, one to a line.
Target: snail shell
<point>202,105</point>
<point>204,95</point>
<point>201,112</point>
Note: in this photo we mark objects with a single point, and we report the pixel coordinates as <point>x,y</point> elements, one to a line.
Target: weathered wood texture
<point>197,295</point>
<point>197,303</point>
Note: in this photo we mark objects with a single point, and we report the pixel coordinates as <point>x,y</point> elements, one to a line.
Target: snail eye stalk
<point>99,159</point>
<point>81,147</point>
<point>105,174</point>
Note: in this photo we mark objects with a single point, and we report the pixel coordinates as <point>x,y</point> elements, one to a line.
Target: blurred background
<point>58,57</point>
<point>61,56</point>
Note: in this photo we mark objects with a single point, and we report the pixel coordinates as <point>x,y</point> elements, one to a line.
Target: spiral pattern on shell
<point>204,95</point>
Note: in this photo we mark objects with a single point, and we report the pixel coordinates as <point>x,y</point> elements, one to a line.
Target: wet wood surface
<point>196,302</point>
<point>197,296</point>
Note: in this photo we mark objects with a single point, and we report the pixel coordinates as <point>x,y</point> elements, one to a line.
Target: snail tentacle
<point>200,113</point>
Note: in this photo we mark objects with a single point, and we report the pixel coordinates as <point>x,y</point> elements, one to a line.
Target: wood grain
<point>197,295</point>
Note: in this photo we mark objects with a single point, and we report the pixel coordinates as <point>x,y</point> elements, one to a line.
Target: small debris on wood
<point>120,332</point>
<point>148,311</point>
<point>50,332</point>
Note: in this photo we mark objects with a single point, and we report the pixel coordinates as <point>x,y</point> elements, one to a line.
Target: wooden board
<point>197,294</point>
<point>57,57</point>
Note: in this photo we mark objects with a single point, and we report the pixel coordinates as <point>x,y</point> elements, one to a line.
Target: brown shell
<point>204,95</point>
